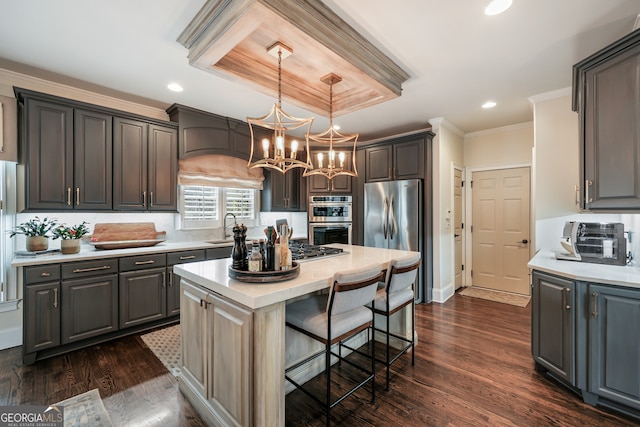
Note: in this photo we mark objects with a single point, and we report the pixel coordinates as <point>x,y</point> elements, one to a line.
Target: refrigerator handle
<point>385,225</point>
<point>392,223</point>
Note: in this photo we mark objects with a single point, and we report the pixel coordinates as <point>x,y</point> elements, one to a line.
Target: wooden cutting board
<point>115,232</point>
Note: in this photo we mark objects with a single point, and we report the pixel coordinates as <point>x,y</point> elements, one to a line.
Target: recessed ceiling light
<point>496,7</point>
<point>175,87</point>
<point>489,104</point>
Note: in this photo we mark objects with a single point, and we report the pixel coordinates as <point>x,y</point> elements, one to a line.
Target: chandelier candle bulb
<point>320,158</point>
<point>341,157</point>
<point>265,148</point>
<point>294,148</point>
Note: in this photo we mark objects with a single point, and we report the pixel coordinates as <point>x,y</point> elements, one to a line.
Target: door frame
<point>468,236</point>
<point>451,222</point>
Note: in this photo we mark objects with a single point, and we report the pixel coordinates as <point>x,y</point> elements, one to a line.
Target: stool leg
<point>373,360</point>
<point>327,362</point>
<point>413,333</point>
<point>388,351</point>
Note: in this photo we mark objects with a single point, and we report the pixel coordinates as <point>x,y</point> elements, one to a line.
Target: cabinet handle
<point>204,304</point>
<point>587,199</point>
<point>85,270</point>
<point>565,293</point>
<point>164,279</point>
<point>55,297</point>
<point>77,196</point>
<point>577,190</point>
<point>171,279</point>
<point>144,199</point>
<point>45,274</point>
<point>182,258</point>
<point>151,198</point>
<point>68,196</point>
<point>595,305</point>
<point>145,262</point>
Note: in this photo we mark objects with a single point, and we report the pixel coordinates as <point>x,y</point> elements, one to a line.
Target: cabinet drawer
<point>185,256</point>
<point>219,253</point>
<point>89,268</point>
<point>142,262</point>
<point>43,273</point>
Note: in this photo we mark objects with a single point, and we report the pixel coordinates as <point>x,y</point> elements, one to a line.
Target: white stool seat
<point>396,299</point>
<point>311,315</point>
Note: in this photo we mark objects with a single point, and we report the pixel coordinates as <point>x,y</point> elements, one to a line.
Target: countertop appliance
<point>393,218</point>
<point>330,219</point>
<point>596,242</point>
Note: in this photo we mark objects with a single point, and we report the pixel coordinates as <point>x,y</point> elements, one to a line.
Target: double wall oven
<point>330,219</point>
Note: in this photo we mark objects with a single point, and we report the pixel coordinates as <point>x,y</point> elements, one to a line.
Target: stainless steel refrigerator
<point>393,217</point>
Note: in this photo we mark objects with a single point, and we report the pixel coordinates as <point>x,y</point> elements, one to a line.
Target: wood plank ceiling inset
<point>230,39</point>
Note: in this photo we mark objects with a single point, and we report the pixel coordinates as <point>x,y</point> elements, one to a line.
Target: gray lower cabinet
<point>173,285</point>
<point>41,316</point>
<point>586,336</point>
<point>142,286</point>
<point>89,299</point>
<point>553,337</point>
<point>614,344</point>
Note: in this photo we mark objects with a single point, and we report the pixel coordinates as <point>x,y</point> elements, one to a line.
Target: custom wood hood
<point>230,39</point>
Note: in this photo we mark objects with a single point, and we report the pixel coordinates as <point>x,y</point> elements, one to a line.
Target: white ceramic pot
<point>70,246</point>
<point>37,243</point>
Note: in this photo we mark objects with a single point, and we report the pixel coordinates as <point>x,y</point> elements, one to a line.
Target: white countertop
<point>88,252</point>
<point>314,275</point>
<point>628,275</point>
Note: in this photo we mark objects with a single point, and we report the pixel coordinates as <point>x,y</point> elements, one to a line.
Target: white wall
<point>447,150</point>
<point>507,145</point>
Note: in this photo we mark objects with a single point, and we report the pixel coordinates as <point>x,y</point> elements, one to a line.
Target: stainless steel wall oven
<point>330,219</point>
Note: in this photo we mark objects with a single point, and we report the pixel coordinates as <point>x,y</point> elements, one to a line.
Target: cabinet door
<point>129,164</point>
<point>173,285</point>
<point>408,159</point>
<point>553,325</point>
<point>230,359</point>
<point>89,307</point>
<point>49,159</point>
<point>614,344</point>
<point>611,126</point>
<point>378,163</point>
<point>42,317</point>
<point>339,184</point>
<point>283,192</point>
<point>143,296</point>
<point>93,156</point>
<point>163,169</point>
<point>240,136</point>
<point>192,335</point>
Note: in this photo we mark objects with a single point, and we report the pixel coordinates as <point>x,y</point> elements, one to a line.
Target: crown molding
<point>547,96</point>
<point>503,129</point>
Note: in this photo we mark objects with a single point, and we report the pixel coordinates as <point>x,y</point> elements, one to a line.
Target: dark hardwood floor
<point>473,367</point>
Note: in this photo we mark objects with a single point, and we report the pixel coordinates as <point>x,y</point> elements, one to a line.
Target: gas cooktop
<point>301,252</point>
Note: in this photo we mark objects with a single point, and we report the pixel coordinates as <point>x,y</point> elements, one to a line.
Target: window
<point>205,207</point>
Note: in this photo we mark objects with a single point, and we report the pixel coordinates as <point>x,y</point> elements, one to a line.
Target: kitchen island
<point>234,344</point>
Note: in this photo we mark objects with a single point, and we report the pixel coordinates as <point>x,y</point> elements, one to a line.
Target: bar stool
<point>334,318</point>
<point>396,294</point>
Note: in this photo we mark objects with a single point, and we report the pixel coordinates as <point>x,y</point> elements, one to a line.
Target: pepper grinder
<point>245,253</point>
<point>236,251</point>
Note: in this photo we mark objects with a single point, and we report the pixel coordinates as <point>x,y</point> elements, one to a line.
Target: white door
<point>457,225</point>
<point>500,229</point>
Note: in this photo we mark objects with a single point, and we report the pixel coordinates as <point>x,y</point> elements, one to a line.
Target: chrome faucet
<point>224,223</point>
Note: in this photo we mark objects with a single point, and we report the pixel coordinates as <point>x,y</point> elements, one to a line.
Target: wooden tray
<point>127,231</point>
<point>265,276</point>
<point>122,244</point>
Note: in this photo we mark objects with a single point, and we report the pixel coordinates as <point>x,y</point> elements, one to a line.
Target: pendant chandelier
<point>275,153</point>
<point>337,152</point>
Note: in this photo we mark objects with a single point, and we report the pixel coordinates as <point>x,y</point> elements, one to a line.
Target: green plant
<point>66,233</point>
<point>35,227</point>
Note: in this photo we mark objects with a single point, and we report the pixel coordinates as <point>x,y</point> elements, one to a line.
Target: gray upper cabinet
<point>606,95</point>
<point>145,166</point>
<point>319,184</point>
<point>553,338</point>
<point>93,160</point>
<point>399,158</point>
<point>48,140</point>
<point>79,156</point>
<point>283,191</point>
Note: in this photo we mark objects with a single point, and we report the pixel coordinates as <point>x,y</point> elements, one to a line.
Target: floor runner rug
<point>85,409</point>
<point>165,344</point>
<point>497,296</point>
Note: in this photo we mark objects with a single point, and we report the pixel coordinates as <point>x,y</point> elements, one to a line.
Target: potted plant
<point>70,236</point>
<point>36,231</point>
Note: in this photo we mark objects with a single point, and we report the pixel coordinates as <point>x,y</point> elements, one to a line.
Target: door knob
<point>456,235</point>
<point>525,241</point>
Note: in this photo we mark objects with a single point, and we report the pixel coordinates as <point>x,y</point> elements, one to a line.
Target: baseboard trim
<point>10,338</point>
<point>443,294</point>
